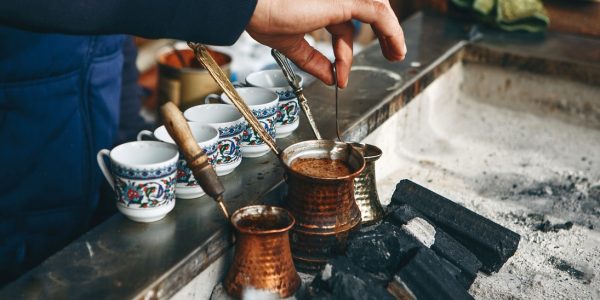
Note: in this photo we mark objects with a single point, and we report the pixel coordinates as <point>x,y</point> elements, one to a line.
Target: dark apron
<point>59,105</point>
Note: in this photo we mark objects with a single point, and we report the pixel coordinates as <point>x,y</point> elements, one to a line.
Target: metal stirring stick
<point>294,82</point>
<point>335,81</point>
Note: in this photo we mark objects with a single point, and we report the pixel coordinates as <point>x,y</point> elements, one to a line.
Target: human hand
<point>282,24</point>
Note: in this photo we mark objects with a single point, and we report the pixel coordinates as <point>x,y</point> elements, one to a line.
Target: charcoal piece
<point>445,246</point>
<point>379,249</point>
<point>322,295</point>
<point>492,243</point>
<point>421,273</point>
<point>343,280</point>
<point>452,269</point>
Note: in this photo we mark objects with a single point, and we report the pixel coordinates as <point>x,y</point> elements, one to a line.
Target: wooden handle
<point>196,159</point>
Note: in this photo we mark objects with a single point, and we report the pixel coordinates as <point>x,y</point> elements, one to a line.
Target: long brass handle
<point>222,80</point>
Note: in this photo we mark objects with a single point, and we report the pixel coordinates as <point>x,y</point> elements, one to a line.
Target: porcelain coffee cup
<point>142,174</point>
<point>288,116</point>
<point>264,105</point>
<point>230,124</point>
<point>207,138</point>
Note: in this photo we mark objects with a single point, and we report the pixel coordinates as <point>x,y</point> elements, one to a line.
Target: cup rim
<point>189,114</point>
<point>369,151</point>
<point>251,77</point>
<point>154,144</point>
<point>214,137</point>
<point>288,159</point>
<point>271,102</point>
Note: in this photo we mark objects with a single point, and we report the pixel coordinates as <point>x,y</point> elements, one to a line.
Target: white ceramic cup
<point>230,124</point>
<point>288,117</point>
<point>207,138</point>
<point>143,175</point>
<point>264,106</point>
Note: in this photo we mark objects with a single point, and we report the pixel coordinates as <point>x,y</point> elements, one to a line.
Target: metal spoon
<point>335,81</point>
<point>294,81</point>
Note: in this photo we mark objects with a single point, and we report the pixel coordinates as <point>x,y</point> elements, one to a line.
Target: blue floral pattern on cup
<point>288,112</point>
<point>185,176</point>
<point>267,118</point>
<point>286,95</point>
<point>140,174</point>
<point>145,191</point>
<point>229,149</point>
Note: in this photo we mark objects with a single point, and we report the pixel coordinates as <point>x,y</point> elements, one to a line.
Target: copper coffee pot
<point>324,208</point>
<point>262,252</point>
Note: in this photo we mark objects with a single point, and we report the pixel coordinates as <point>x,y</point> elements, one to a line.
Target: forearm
<point>215,22</point>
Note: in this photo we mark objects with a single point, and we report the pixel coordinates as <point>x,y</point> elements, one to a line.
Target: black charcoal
<point>491,243</point>
<point>444,245</point>
<point>457,273</point>
<point>399,290</point>
<point>379,249</point>
<point>341,279</point>
<point>422,275</point>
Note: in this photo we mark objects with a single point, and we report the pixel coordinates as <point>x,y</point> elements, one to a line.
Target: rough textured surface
<point>516,148</point>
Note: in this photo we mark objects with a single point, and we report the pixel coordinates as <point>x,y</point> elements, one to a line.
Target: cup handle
<point>209,99</point>
<point>144,133</point>
<point>104,168</point>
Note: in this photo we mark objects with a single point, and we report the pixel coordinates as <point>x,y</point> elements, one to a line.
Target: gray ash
<point>560,264</point>
<point>571,197</point>
<point>569,187</point>
<point>547,226</point>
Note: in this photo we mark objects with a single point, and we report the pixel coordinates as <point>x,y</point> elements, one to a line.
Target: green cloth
<point>528,15</point>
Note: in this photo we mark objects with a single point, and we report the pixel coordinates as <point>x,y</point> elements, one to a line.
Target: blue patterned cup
<point>264,106</point>
<point>143,175</point>
<point>288,115</point>
<point>230,124</point>
<point>207,138</point>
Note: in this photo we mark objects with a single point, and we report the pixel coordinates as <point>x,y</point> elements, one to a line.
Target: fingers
<point>308,58</point>
<point>380,15</point>
<point>341,38</point>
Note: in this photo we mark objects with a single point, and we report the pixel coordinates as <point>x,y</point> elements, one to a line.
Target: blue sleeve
<point>214,22</point>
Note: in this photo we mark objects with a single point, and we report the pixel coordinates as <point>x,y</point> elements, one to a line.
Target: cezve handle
<point>222,80</point>
<point>196,159</point>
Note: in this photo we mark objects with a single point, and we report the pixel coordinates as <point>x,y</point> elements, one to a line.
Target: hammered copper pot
<point>324,208</point>
<point>262,258</point>
<point>365,188</point>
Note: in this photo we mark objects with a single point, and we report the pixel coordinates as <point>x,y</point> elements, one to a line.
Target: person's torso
<point>59,105</point>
